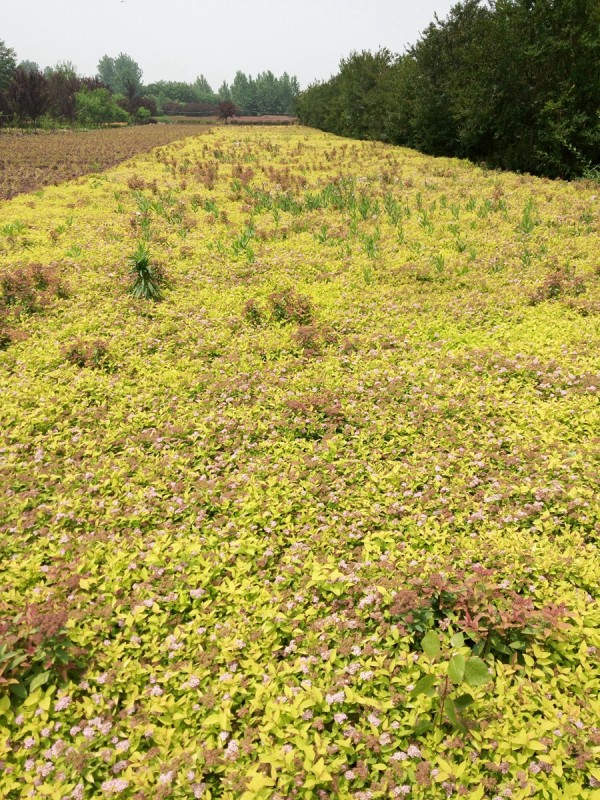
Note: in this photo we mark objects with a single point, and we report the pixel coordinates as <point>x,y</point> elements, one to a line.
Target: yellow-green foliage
<point>241,524</point>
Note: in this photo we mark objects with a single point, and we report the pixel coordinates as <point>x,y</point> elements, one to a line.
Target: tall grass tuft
<point>148,279</point>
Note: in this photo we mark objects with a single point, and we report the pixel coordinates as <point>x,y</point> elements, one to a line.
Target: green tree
<point>319,105</point>
<point>29,66</point>
<point>289,89</point>
<point>547,68</point>
<point>242,92</point>
<point>203,92</point>
<point>224,92</point>
<point>362,101</point>
<point>512,82</point>
<point>172,90</point>
<point>97,107</point>
<point>8,64</point>
<point>66,68</point>
<point>267,94</point>
<point>122,74</point>
<point>451,109</point>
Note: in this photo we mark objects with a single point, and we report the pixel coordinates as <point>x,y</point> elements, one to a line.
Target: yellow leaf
<point>259,781</point>
<point>535,745</point>
<point>309,758</point>
<point>521,738</point>
<point>45,703</point>
<point>477,794</point>
<point>320,770</point>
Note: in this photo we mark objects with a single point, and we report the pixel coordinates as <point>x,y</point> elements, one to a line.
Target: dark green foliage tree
<point>203,92</point>
<point>8,63</point>
<point>361,84</point>
<point>265,94</point>
<point>176,91</point>
<point>319,105</point>
<point>242,92</point>
<point>514,83</point>
<point>548,54</point>
<point>224,92</point>
<point>451,110</point>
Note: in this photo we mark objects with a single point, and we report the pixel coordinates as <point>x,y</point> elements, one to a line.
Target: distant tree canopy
<point>116,94</point>
<point>265,94</point>
<point>29,66</point>
<point>514,83</point>
<point>122,74</point>
<point>8,64</point>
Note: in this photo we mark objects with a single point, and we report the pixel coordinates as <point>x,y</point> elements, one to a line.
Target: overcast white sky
<point>179,39</point>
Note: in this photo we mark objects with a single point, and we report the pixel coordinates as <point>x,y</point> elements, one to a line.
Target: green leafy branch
<point>460,672</point>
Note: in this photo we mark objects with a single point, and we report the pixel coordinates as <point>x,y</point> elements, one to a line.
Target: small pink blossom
<point>62,703</point>
<point>114,786</point>
<point>232,751</point>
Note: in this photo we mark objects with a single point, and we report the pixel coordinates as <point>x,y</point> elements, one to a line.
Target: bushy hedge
<point>512,83</point>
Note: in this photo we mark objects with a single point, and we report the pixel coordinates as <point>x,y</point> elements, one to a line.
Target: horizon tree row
<point>512,83</point>
<point>117,93</point>
<point>265,94</point>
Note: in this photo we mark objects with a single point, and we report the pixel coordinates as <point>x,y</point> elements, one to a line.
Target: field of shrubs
<point>31,162</point>
<point>323,521</point>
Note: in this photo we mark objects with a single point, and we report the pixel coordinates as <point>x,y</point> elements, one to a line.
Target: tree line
<point>117,93</point>
<point>265,94</point>
<point>512,83</point>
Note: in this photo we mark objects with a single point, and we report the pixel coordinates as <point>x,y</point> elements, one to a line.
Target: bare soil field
<point>32,161</point>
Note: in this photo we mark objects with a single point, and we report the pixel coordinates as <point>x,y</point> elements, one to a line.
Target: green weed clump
<point>148,280</point>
